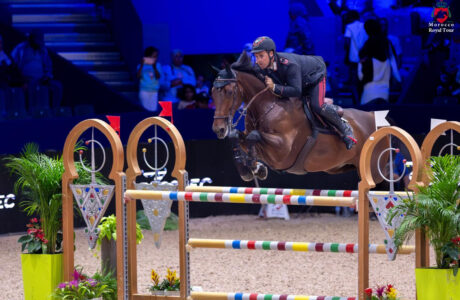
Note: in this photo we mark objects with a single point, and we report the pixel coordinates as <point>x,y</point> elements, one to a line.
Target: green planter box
<point>41,274</point>
<point>437,284</point>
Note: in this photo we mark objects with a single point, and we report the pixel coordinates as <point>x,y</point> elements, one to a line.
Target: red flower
<point>368,292</point>
<point>389,287</point>
<point>34,220</point>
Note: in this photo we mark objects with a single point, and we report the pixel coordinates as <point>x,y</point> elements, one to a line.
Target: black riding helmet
<point>263,43</point>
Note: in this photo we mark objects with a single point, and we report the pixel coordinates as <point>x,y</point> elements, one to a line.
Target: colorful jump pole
<point>242,198</point>
<point>291,246</point>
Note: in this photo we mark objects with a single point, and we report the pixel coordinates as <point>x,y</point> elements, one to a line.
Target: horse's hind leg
<point>240,157</point>
<point>258,168</point>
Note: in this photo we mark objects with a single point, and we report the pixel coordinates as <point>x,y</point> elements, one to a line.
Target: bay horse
<point>276,129</point>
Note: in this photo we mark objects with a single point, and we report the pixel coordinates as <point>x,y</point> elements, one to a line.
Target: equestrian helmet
<point>263,43</point>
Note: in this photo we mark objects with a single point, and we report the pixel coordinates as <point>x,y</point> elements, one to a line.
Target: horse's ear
<point>215,71</point>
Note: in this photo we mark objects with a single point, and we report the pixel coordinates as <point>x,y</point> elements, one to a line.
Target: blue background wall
<point>206,26</point>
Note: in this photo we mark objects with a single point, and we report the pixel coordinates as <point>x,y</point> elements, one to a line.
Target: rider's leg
<point>329,112</point>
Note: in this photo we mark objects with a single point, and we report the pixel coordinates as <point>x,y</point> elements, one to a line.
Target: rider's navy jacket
<point>294,73</point>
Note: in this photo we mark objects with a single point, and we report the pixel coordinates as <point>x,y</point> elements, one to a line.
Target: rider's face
<point>263,59</point>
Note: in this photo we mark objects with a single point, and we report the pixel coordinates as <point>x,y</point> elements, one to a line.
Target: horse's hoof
<point>247,177</point>
<point>261,172</point>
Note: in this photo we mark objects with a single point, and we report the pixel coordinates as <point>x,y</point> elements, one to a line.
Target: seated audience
<point>187,96</point>
<point>176,75</point>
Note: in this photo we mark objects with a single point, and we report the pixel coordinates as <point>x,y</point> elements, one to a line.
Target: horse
<point>277,130</point>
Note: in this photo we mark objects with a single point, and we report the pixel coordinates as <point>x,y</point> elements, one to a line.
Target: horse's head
<point>226,99</point>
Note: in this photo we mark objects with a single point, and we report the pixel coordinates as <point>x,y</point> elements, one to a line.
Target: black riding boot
<point>330,114</point>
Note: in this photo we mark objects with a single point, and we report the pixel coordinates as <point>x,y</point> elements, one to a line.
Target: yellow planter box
<point>41,274</point>
<point>437,284</point>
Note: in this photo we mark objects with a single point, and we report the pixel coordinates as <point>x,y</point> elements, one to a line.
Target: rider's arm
<point>293,86</point>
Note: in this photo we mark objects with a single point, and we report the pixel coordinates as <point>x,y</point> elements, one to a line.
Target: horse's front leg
<point>258,168</point>
<point>239,156</point>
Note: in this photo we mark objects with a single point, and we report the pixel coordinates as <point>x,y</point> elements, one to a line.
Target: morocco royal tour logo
<point>441,12</point>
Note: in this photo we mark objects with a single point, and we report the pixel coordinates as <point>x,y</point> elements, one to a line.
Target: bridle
<point>242,110</point>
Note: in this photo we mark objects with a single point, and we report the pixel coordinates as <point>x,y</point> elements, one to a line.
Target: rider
<point>302,76</point>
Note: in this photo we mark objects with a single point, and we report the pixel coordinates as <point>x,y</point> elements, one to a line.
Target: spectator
<point>299,36</point>
<point>376,65</point>
<point>355,37</point>
<point>150,76</point>
<point>176,75</point>
<point>34,63</point>
<point>187,97</point>
<point>201,85</point>
<point>394,40</point>
<point>202,101</point>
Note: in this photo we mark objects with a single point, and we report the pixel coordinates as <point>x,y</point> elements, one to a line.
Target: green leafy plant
<point>39,181</point>
<point>107,278</point>
<point>82,287</point>
<point>172,222</point>
<point>170,283</point>
<point>108,230</point>
<point>434,209</point>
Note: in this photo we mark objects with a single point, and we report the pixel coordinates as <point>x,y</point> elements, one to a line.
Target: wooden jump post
<point>367,182</point>
<point>181,175</point>
<point>70,173</point>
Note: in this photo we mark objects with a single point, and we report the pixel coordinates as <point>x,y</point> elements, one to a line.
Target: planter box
<point>41,274</point>
<point>437,284</point>
<point>172,293</point>
<point>109,256</point>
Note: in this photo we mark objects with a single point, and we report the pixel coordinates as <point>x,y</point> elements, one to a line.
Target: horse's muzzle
<point>221,132</point>
<point>220,128</point>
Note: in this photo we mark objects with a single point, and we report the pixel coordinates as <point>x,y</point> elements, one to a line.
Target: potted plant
<point>106,242</point>
<point>436,210</point>
<point>39,183</point>
<point>170,286</point>
<point>83,287</point>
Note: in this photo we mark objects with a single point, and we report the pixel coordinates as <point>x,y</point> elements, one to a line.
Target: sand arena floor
<point>270,272</point>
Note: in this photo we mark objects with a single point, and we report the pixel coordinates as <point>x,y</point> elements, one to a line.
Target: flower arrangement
<point>452,253</point>
<point>34,241</point>
<point>386,292</point>
<point>170,283</point>
<point>82,287</point>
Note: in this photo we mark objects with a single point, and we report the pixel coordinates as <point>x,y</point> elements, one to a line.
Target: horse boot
<point>239,157</point>
<point>258,168</point>
<point>330,114</point>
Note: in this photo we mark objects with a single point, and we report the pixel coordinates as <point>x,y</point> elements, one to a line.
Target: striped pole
<point>248,296</point>
<point>241,198</point>
<point>274,191</point>
<point>277,191</point>
<point>291,246</point>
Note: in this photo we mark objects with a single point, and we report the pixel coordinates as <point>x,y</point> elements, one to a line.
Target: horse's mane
<point>244,64</point>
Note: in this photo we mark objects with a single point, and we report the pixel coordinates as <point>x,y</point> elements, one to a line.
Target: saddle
<point>318,125</point>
